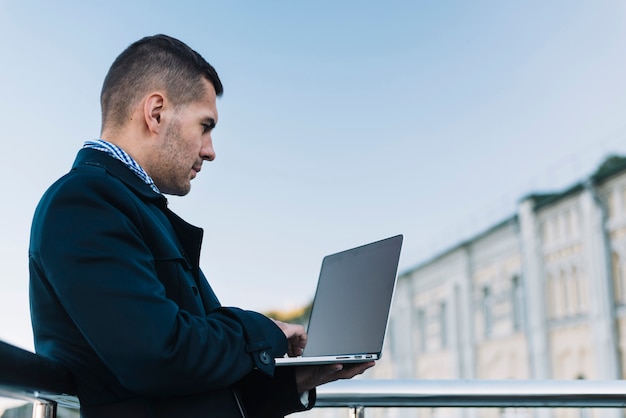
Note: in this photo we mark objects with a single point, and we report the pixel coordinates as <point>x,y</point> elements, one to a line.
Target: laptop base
<point>303,361</point>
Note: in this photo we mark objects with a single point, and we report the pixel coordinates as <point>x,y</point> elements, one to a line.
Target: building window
<point>574,223</point>
<point>443,324</point>
<point>564,291</point>
<point>421,330</point>
<point>582,293</point>
<point>556,227</point>
<point>517,303</point>
<point>567,223</point>
<point>579,292</point>
<point>547,235</point>
<point>611,205</point>
<point>618,279</point>
<point>549,298</point>
<point>487,311</point>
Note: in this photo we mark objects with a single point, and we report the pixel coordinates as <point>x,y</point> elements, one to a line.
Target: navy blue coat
<point>118,297</point>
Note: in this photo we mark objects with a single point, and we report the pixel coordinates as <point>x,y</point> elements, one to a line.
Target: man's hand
<point>296,336</point>
<point>309,377</point>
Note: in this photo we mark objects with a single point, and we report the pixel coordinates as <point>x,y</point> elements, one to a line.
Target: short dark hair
<point>158,61</point>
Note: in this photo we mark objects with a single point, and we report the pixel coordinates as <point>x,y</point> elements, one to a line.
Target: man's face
<point>185,144</point>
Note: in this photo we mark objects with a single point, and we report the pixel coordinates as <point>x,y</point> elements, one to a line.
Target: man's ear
<point>152,111</point>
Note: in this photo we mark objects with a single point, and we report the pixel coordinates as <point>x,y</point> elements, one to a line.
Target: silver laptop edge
<point>389,254</point>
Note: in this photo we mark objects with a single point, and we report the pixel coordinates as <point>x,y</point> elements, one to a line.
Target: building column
<point>533,279</point>
<point>464,322</point>
<point>534,285</point>
<point>597,264</point>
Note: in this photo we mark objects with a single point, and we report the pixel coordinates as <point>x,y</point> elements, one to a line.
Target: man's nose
<point>207,152</point>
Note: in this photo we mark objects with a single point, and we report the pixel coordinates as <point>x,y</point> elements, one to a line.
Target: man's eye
<point>206,127</point>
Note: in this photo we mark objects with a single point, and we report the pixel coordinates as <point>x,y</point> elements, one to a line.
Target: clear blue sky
<point>341,123</point>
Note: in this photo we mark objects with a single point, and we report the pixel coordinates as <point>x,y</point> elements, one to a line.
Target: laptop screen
<point>353,299</point>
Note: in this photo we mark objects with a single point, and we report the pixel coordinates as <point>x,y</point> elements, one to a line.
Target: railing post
<point>355,412</point>
<point>44,409</point>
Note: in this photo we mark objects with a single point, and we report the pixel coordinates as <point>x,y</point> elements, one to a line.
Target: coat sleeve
<point>88,248</point>
<point>274,397</point>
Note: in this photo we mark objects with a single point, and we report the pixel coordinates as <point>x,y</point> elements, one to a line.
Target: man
<point>117,294</point>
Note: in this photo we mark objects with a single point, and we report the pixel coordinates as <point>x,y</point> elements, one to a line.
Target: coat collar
<point>190,236</point>
<point>89,156</point>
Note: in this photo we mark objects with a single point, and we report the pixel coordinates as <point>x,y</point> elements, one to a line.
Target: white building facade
<point>541,295</point>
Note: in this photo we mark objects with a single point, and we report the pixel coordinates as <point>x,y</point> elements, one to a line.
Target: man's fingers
<point>344,371</point>
<point>352,369</point>
<point>292,331</point>
<point>296,337</point>
<point>309,377</point>
<point>296,349</point>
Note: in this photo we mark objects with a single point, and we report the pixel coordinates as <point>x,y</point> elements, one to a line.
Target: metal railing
<point>33,378</point>
<point>364,393</point>
<point>357,395</point>
<point>27,376</point>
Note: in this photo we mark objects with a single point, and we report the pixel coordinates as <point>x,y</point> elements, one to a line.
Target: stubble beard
<point>173,177</point>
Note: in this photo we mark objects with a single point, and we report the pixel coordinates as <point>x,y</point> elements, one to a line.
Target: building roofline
<point>463,243</point>
<point>611,167</point>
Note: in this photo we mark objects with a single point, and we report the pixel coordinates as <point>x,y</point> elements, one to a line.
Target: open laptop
<point>351,305</point>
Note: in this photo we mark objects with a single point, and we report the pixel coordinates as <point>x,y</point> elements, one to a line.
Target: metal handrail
<point>473,393</point>
<point>367,393</point>
<point>457,393</point>
<point>31,377</point>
